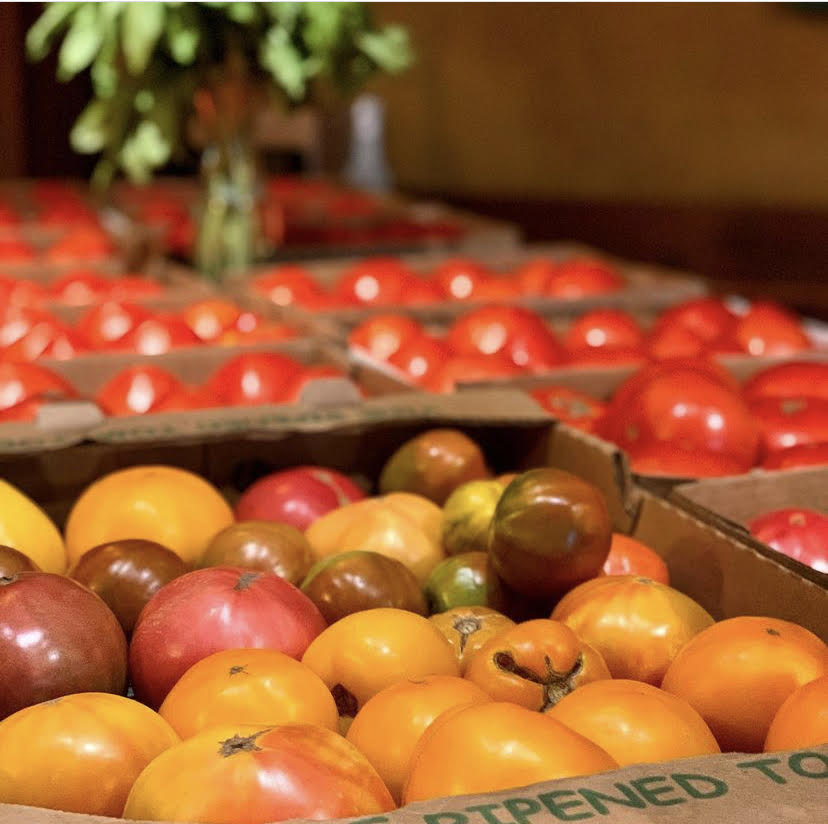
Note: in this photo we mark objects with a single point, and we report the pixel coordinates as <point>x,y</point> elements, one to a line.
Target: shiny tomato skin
<point>246,774</point>
<point>581,277</point>
<point>158,335</point>
<point>22,382</point>
<point>136,390</point>
<point>247,686</point>
<point>374,282</point>
<point>47,339</point>
<point>801,534</point>
<point>635,722</point>
<point>461,369</point>
<point>707,319</point>
<point>637,624</point>
<point>808,454</point>
<point>795,379</point>
<point>787,422</point>
<point>17,320</point>
<point>575,408</point>
<point>467,629</point>
<point>737,673</point>
<point>604,328</point>
<point>212,609</point>
<point>81,288</point>
<point>420,357</point>
<point>802,720</point>
<point>382,335</point>
<point>475,749</point>
<point>288,286</point>
<point>254,378</point>
<point>458,278</point>
<point>109,322</point>
<point>210,317</point>
<point>628,556</point>
<point>491,330</point>
<point>669,460</point>
<point>98,743</point>
<point>386,730</point>
<point>13,561</point>
<point>770,329</point>
<point>668,342</point>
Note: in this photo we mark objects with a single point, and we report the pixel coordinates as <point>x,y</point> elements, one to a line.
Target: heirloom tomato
<point>637,624</point>
<point>635,722</point>
<point>80,753</point>
<point>495,746</point>
<point>467,629</point>
<point>12,562</point>
<point>386,730</point>
<point>737,673</point>
<point>799,533</point>
<point>797,379</point>
<point>418,358</point>
<point>460,580</point>
<point>570,406</point>
<point>802,720</point>
<point>787,422</point>
<point>630,557</point>
<point>246,774</point>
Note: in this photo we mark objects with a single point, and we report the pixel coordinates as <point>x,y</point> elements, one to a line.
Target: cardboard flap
<point>68,415</point>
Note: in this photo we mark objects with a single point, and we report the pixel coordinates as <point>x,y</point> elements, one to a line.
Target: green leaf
<point>89,134</point>
<point>183,34</point>
<point>243,12</point>
<point>322,26</point>
<point>284,62</point>
<point>144,150</point>
<point>390,48</point>
<point>142,25</point>
<point>285,14</point>
<point>82,42</point>
<point>46,28</point>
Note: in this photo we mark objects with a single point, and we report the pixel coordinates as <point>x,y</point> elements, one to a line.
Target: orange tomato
<point>637,624</point>
<point>535,664</point>
<point>630,557</point>
<point>737,674</point>
<point>248,686</point>
<point>635,722</point>
<point>80,753</point>
<point>367,651</point>
<point>249,775</point>
<point>497,746</point>
<point>386,730</point>
<point>469,628</point>
<point>802,720</point>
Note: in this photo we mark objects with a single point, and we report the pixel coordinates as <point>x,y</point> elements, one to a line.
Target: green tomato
<point>458,581</point>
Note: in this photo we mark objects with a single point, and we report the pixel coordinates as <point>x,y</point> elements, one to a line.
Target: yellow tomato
<point>28,529</point>
<point>469,628</point>
<point>248,686</point>
<point>386,730</point>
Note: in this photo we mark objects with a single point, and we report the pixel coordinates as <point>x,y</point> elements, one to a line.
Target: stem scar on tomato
<point>772,631</point>
<point>466,627</point>
<point>555,684</point>
<point>346,702</point>
<point>238,668</point>
<point>241,743</point>
<point>246,580</point>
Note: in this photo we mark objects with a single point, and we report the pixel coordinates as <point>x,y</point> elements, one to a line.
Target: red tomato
<point>534,275</point>
<point>47,339</point>
<point>109,322</point>
<point>496,289</point>
<point>209,318</point>
<point>801,534</point>
<point>422,291</point>
<point>213,609</point>
<point>254,378</point>
<point>468,368</point>
<point>795,379</point>
<point>136,390</point>
<point>382,335</point>
<point>16,251</point>
<point>16,321</point>
<point>708,320</point>
<point>606,356</point>
<point>81,288</point>
<point>374,282</point>
<point>26,293</point>
<point>82,243</point>
<point>806,454</point>
<point>604,328</point>
<point>157,335</point>
<point>420,357</point>
<point>458,278</point>
<point>630,557</point>
<point>769,329</point>
<point>135,287</point>
<point>676,341</point>
<point>288,286</point>
<point>570,406</point>
<point>581,277</point>
<point>673,461</point>
<point>186,398</point>
<point>787,422</point>
<point>22,383</point>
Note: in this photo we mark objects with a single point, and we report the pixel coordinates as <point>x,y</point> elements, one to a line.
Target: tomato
<point>637,624</point>
<point>461,580</point>
<point>47,339</point>
<point>534,275</point>
<point>185,398</point>
<point>550,531</point>
<point>24,382</point>
<point>208,318</point>
<point>109,322</point>
<point>97,743</point>
<point>796,379</point>
<point>807,454</point>
<point>770,329</point>
<point>418,358</point>
<point>467,369</point>
<point>787,422</point>
<point>16,321</point>
<point>605,356</point>
<point>570,406</point>
<point>610,328</point>
<point>288,286</point>
<point>707,320</point>
<point>386,730</point>
<point>374,282</point>
<point>459,278</point>
<point>535,664</point>
<point>81,244</point>
<point>495,746</point>
<point>157,335</point>
<point>13,561</point>
<point>126,574</point>
<point>496,289</point>
<point>630,557</point>
<point>81,288</point>
<point>247,686</point>
<point>668,342</point>
<point>17,292</point>
<point>16,251</point>
<point>382,335</point>
<point>421,291</point>
<point>671,460</point>
<point>245,774</point>
<point>468,628</point>
<point>254,378</point>
<point>799,533</point>
<point>685,407</point>
<point>635,722</point>
<point>213,609</point>
<point>136,390</point>
<point>581,277</point>
<point>369,650</point>
<point>135,287</point>
<point>802,720</point>
<point>737,673</point>
<point>46,643</point>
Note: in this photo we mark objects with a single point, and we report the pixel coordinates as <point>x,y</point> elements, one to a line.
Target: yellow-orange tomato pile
<point>308,651</point>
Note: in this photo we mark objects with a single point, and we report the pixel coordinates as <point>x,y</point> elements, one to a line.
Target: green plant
<point>148,63</point>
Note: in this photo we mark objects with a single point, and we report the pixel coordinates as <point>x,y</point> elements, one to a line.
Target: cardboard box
<point>728,577</point>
